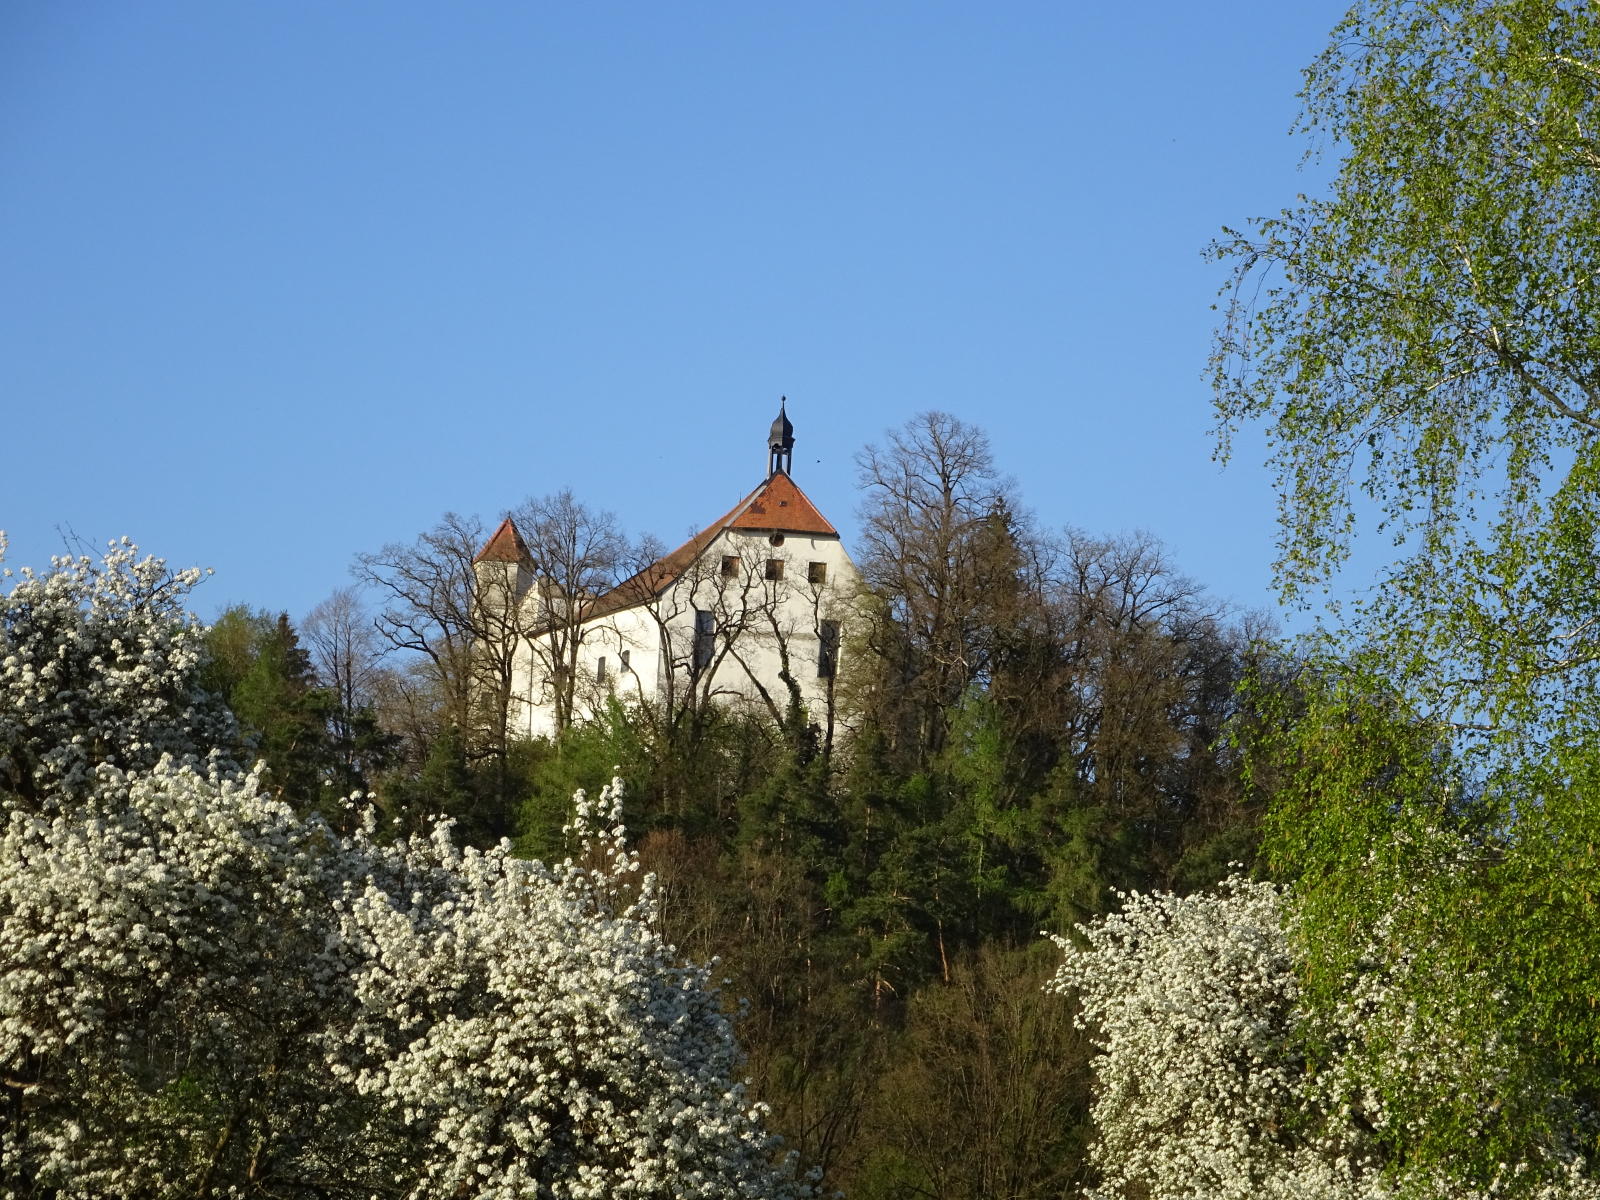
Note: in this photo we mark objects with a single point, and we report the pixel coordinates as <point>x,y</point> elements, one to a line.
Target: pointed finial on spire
<point>780,442</point>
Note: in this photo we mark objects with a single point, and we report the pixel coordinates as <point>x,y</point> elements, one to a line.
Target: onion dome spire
<point>780,442</point>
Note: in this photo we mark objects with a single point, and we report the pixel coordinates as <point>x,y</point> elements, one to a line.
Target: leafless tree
<point>465,637</point>
<point>578,554</point>
<point>1135,632</point>
<point>344,648</point>
<point>814,611</point>
<point>931,497</point>
<point>1142,691</point>
<point>347,656</point>
<point>706,617</point>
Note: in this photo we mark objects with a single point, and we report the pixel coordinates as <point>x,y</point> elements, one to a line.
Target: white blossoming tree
<point>97,667</point>
<point>1215,1080</point>
<point>201,993</point>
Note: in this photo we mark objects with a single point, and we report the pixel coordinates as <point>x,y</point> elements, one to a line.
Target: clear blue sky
<point>282,282</point>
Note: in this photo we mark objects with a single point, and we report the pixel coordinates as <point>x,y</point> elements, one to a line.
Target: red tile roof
<point>505,546</point>
<point>777,506</point>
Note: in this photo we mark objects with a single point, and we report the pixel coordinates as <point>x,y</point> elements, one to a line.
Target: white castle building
<point>752,610</point>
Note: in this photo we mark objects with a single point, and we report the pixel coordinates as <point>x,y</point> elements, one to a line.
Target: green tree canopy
<point>1423,344</point>
<point>257,664</point>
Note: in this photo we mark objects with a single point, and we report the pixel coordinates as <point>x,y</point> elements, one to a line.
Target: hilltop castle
<point>751,610</point>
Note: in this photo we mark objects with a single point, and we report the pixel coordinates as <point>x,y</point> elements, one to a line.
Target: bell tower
<point>780,442</point>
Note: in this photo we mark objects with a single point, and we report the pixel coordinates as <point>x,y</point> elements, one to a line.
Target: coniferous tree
<point>258,666</point>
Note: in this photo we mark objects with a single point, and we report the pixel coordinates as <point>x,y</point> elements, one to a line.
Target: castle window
<point>600,669</point>
<point>730,566</point>
<point>622,661</point>
<point>774,568</point>
<point>817,573</point>
<point>828,650</point>
<point>705,629</point>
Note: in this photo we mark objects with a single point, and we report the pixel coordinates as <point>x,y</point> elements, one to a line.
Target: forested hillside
<point>1034,718</point>
<point>1084,886</point>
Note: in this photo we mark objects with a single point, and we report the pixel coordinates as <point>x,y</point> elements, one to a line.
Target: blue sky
<point>283,282</point>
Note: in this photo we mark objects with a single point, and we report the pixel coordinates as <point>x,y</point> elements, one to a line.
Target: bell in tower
<point>780,443</point>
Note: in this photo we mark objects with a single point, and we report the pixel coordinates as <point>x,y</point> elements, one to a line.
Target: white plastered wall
<point>756,621</point>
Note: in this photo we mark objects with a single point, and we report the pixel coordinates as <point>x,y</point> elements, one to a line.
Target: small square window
<point>730,565</point>
<point>817,573</point>
<point>774,568</point>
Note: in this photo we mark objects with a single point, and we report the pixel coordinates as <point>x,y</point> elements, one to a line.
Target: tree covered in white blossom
<point>98,666</point>
<point>203,994</point>
<point>1215,1079</point>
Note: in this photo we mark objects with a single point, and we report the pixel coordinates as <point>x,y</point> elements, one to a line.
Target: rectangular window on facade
<point>828,650</point>
<point>705,628</point>
<point>622,661</point>
<point>774,568</point>
<point>730,566</point>
<point>817,573</point>
<point>600,669</point>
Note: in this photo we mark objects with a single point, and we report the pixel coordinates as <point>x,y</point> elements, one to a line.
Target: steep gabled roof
<point>505,546</point>
<point>777,506</point>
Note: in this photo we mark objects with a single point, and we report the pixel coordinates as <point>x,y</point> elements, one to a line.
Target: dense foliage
<point>203,992</point>
<point>878,904</point>
<point>297,981</point>
<point>1423,345</point>
<point>1215,1080</point>
<point>1029,720</point>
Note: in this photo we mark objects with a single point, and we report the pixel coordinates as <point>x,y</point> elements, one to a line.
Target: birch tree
<point>1422,345</point>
